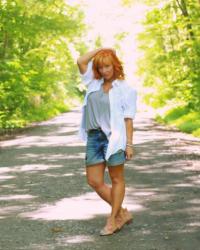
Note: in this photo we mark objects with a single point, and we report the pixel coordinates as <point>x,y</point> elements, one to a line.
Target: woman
<point>107,126</point>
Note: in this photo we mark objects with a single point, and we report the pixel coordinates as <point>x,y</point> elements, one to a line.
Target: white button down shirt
<point>122,105</point>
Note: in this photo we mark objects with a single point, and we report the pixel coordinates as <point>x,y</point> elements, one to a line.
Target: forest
<point>38,44</point>
<point>41,39</point>
<point>171,64</point>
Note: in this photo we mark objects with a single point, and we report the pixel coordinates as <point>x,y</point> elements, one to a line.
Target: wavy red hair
<point>108,56</point>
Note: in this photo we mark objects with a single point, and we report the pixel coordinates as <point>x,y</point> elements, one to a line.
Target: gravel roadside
<point>46,204</point>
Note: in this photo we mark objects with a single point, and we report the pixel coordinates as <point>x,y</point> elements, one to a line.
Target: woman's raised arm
<point>83,60</point>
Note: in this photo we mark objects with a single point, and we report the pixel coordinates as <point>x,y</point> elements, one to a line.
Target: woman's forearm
<point>129,130</point>
<point>83,60</point>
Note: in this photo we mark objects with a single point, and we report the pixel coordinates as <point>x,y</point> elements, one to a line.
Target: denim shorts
<point>96,148</point>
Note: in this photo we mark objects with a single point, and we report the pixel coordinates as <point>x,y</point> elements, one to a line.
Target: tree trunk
<point>183,7</point>
<point>176,30</point>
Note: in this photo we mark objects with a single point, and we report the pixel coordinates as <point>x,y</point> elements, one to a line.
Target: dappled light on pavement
<point>45,198</point>
<point>86,206</point>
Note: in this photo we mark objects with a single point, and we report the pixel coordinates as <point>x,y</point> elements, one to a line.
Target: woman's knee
<point>95,175</point>
<point>95,184</point>
<point>117,174</point>
<point>117,179</point>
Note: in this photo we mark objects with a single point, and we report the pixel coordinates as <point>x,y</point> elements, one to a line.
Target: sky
<point>106,18</point>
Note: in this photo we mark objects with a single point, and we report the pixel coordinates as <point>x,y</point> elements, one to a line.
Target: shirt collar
<point>115,83</point>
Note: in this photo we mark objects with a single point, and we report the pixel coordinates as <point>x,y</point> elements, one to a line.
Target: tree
<point>171,62</point>
<point>38,43</point>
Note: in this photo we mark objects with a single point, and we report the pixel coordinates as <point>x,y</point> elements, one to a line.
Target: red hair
<point>107,56</point>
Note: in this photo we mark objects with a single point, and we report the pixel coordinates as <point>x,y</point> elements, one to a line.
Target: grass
<point>184,119</point>
<point>42,113</point>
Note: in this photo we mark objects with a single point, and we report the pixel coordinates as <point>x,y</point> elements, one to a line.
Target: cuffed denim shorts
<point>96,148</point>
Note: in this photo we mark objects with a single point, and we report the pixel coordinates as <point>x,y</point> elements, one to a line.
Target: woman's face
<point>107,71</point>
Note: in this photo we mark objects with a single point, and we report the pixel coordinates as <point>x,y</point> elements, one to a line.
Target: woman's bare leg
<point>113,196</point>
<point>117,195</point>
<point>118,188</point>
<point>95,178</point>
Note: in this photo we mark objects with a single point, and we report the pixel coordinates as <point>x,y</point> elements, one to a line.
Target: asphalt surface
<point>46,204</point>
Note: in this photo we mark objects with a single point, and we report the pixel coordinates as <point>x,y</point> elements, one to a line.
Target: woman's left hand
<point>129,152</point>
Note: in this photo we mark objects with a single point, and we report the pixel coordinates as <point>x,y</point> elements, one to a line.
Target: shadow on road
<point>45,202</point>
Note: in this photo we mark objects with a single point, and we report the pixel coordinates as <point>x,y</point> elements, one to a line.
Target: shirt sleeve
<point>130,102</point>
<point>88,76</point>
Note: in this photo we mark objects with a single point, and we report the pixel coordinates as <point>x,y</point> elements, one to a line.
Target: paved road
<point>46,204</point>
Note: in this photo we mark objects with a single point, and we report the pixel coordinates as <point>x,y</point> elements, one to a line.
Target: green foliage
<point>171,48</point>
<point>38,44</point>
<point>196,133</point>
<point>120,36</point>
<point>98,42</point>
<point>183,118</point>
<point>128,3</point>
